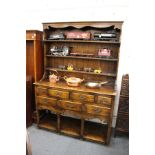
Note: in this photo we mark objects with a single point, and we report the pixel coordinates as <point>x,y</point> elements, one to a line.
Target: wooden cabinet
<point>28,101</point>
<point>69,51</point>
<point>122,123</point>
<point>34,60</point>
<point>34,54</point>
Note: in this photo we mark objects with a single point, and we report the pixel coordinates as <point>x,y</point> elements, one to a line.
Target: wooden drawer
<point>82,97</point>
<point>41,91</point>
<point>68,105</point>
<point>97,110</point>
<point>58,93</point>
<point>107,101</point>
<point>46,102</point>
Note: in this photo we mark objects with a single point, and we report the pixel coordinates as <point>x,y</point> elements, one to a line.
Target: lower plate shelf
<point>70,126</point>
<point>95,132</point>
<point>49,121</point>
<point>91,131</point>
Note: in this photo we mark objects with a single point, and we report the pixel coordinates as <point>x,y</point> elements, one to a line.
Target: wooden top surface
<point>34,31</point>
<point>83,22</point>
<point>104,90</point>
<point>97,24</point>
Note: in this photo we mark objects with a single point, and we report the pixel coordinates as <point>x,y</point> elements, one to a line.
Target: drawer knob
<point>96,110</point>
<point>100,101</point>
<point>58,94</point>
<point>41,91</point>
<point>103,102</point>
<point>82,97</point>
<point>44,101</point>
<point>70,106</point>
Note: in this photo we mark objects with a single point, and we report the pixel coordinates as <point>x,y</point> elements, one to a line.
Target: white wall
<point>39,11</point>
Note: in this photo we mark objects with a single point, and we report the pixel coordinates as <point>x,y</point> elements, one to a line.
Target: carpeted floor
<point>44,142</point>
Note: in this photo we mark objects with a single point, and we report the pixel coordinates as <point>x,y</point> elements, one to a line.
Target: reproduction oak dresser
<point>70,48</point>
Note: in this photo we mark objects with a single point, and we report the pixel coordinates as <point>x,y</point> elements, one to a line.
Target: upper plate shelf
<point>108,32</point>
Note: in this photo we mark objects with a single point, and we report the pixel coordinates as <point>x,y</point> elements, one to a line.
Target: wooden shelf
<point>95,132</point>
<point>49,121</point>
<point>82,72</point>
<point>80,57</point>
<point>70,126</point>
<point>84,41</point>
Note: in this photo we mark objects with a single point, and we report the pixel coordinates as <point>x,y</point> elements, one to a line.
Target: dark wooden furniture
<point>122,123</point>
<point>78,111</point>
<point>28,101</point>
<point>34,60</point>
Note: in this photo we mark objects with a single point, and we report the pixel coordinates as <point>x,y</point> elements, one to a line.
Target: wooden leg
<point>115,133</point>
<point>82,127</point>
<point>38,117</point>
<point>58,122</point>
<point>108,134</point>
<point>110,123</point>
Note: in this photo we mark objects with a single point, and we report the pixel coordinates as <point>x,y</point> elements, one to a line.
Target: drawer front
<point>41,91</point>
<point>68,105</point>
<point>58,93</point>
<point>46,102</point>
<point>82,97</point>
<point>106,101</point>
<point>97,110</point>
<point>124,104</point>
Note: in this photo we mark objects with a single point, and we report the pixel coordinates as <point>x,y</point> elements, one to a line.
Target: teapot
<point>53,78</point>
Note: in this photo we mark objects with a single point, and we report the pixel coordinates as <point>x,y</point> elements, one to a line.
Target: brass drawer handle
<point>103,102</point>
<point>82,97</point>
<point>42,91</point>
<point>45,101</point>
<point>69,106</point>
<point>58,94</point>
<point>96,110</point>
